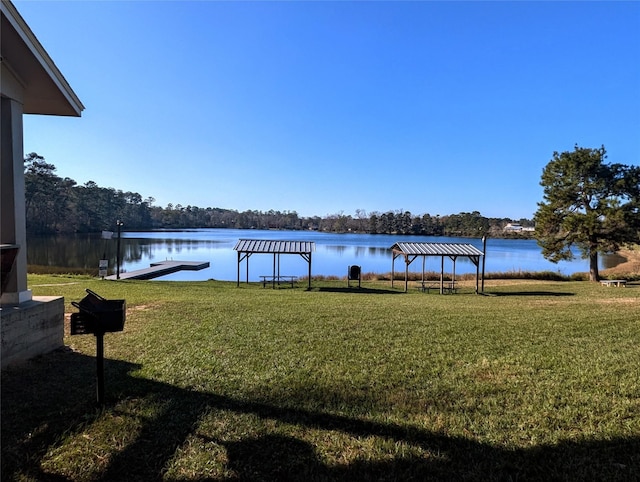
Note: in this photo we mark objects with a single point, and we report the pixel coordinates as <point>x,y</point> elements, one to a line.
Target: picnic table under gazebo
<point>410,251</point>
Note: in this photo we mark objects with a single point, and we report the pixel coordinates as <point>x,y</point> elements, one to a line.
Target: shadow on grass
<point>52,398</point>
<point>528,293</point>
<point>361,290</point>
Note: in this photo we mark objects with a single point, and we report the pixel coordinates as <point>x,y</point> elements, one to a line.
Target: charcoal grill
<point>97,316</point>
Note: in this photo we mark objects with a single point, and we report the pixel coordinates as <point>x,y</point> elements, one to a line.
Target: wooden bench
<point>278,280</point>
<point>614,282</point>
<point>448,286</point>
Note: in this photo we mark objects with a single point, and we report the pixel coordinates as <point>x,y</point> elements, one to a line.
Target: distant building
<point>518,228</point>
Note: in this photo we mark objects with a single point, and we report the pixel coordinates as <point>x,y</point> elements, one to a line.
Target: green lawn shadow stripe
<point>529,293</point>
<point>29,434</point>
<point>356,290</point>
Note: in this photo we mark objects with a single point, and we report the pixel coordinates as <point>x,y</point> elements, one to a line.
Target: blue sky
<point>328,107</point>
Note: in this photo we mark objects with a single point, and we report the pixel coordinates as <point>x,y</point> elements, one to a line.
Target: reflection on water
<point>334,253</point>
<point>357,251</point>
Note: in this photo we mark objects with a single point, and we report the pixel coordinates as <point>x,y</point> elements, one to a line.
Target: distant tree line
<point>60,205</point>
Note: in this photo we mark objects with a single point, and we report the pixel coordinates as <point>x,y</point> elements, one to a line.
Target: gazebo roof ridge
<point>274,246</point>
<point>436,249</point>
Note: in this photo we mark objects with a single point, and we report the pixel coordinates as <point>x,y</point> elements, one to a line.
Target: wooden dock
<point>162,268</point>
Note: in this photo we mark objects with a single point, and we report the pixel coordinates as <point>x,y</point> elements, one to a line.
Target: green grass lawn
<point>535,381</point>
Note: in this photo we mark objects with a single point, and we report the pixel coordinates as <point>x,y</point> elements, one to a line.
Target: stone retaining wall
<point>32,328</point>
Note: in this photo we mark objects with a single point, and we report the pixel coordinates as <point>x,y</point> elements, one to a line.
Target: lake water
<point>334,253</point>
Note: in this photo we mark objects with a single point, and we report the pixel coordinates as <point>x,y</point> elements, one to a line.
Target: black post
<point>100,367</point>
<point>119,224</point>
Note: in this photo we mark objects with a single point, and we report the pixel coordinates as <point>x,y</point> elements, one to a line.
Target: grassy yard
<point>535,381</point>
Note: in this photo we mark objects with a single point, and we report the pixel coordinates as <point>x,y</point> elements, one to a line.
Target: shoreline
<point>628,267</point>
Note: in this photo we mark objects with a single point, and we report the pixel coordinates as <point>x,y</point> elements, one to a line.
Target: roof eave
<point>46,90</point>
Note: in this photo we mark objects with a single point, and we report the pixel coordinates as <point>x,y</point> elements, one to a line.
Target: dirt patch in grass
<point>57,284</point>
<point>511,282</point>
<point>617,301</point>
<point>631,265</point>
<point>141,307</point>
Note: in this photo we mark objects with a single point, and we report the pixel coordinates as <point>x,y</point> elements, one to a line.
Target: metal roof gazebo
<point>247,247</point>
<point>411,251</point>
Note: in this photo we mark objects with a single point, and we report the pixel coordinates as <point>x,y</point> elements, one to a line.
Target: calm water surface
<point>334,253</point>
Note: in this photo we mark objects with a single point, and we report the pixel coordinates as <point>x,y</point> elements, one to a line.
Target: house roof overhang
<point>44,88</point>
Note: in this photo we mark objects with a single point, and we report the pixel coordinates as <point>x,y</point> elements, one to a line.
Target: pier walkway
<point>162,268</point>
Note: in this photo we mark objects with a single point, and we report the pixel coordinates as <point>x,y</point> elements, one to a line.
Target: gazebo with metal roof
<point>412,251</point>
<point>247,247</point>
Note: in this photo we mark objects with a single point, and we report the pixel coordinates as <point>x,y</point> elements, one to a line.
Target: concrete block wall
<point>31,328</point>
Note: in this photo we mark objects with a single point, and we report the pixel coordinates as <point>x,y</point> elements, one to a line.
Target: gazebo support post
<point>406,273</point>
<point>393,262</point>
<point>273,279</point>
<point>453,276</point>
<point>484,257</point>
<point>242,256</point>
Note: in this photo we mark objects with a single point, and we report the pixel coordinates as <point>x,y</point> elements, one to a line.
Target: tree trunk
<point>593,265</point>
